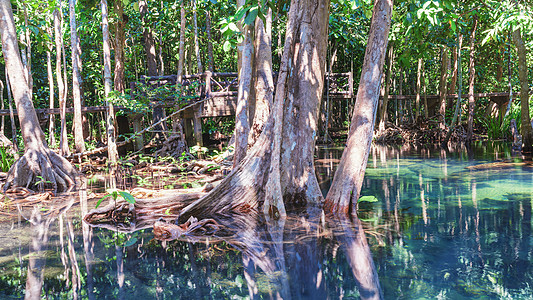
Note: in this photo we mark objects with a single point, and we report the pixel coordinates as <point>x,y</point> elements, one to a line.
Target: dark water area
<point>436,230</point>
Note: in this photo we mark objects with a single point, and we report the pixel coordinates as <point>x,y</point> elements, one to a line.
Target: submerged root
<point>168,231</point>
<point>42,169</point>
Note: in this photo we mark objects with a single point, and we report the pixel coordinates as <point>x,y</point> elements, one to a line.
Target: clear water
<point>437,231</point>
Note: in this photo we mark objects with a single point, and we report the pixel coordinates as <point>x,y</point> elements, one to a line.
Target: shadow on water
<point>437,230</point>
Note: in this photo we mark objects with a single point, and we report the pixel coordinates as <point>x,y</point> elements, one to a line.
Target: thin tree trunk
<point>443,88</point>
<point>457,111</point>
<point>63,143</point>
<point>112,153</point>
<point>509,77</point>
<point>196,42</point>
<point>384,116</point>
<point>424,88</point>
<point>182,44</point>
<point>149,44</point>
<point>12,116</point>
<point>209,41</point>
<point>119,80</point>
<point>418,87</point>
<point>76,89</point>
<point>471,78</point>
<point>526,130</point>
<point>348,179</point>
<point>151,64</point>
<point>51,117</point>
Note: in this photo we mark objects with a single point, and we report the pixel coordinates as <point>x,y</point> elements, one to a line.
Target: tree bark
<point>348,179</point>
<point>76,90</point>
<point>471,79</point>
<point>112,152</point>
<point>443,88</point>
<point>39,165</point>
<point>279,167</point>
<point>527,136</point>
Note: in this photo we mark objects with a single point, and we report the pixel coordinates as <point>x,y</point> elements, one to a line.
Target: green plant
<point>115,194</point>
<point>7,159</point>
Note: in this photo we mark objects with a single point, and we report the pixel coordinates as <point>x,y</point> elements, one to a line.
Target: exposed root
<point>124,217</point>
<point>42,169</point>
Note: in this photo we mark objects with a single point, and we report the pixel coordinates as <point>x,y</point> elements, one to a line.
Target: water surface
<point>436,231</point>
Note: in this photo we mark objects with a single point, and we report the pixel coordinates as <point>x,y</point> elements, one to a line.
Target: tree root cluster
<point>40,170</point>
<point>125,217</point>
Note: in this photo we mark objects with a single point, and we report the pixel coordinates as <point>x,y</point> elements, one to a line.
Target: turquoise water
<point>437,231</point>
<point>452,233</point>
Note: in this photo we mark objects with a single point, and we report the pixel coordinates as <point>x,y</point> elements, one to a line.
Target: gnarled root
<point>40,169</point>
<point>168,231</point>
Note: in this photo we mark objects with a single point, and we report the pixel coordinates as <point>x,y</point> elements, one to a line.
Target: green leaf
<point>241,12</point>
<point>452,24</point>
<point>127,196</point>
<point>130,242</point>
<point>227,46</point>
<point>252,14</point>
<point>100,201</point>
<point>233,27</point>
<point>368,199</point>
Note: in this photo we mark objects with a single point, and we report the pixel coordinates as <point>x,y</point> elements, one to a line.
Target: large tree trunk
<point>443,88</point>
<point>471,78</point>
<point>348,179</point>
<point>112,152</point>
<point>263,87</point>
<point>76,90</point>
<point>38,160</point>
<point>242,124</point>
<point>527,131</point>
<point>279,167</point>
